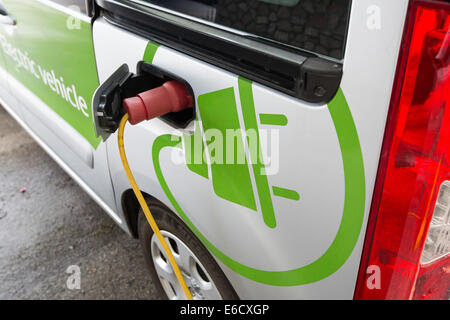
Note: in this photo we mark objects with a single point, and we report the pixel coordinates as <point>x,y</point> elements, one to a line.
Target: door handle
<point>5,17</point>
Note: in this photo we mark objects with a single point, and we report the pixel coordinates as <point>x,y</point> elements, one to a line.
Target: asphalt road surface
<point>48,223</point>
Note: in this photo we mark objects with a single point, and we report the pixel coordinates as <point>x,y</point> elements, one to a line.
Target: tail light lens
<point>408,239</point>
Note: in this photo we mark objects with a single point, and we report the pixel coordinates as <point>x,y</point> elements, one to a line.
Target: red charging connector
<point>172,96</point>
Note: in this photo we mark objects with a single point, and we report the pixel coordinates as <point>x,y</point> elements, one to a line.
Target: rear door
<point>52,73</point>
<point>305,88</point>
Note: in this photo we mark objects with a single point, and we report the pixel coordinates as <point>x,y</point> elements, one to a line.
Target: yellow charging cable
<point>146,210</point>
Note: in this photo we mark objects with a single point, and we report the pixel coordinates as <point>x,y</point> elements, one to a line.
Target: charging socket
<point>107,102</point>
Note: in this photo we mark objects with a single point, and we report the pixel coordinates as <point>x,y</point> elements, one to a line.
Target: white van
<point>338,111</point>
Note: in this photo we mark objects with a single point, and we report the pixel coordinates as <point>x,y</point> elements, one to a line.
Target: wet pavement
<point>48,224</point>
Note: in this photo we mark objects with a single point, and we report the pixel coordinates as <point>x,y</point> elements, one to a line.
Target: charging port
<point>122,84</point>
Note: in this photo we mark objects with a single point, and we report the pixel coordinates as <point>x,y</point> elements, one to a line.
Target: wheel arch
<point>130,208</point>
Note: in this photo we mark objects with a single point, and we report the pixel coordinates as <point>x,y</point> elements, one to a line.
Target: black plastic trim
<point>90,5</point>
<point>179,119</point>
<point>107,109</point>
<point>310,78</point>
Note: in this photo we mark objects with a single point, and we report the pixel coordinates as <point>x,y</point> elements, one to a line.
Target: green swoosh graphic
<point>352,217</point>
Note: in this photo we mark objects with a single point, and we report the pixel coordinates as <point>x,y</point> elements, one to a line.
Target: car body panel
<point>311,161</point>
<point>298,231</point>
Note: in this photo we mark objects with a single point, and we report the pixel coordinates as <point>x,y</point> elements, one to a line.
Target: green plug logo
<point>354,203</point>
<point>231,179</point>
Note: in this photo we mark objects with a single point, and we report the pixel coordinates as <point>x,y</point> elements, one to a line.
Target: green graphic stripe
<point>150,51</point>
<point>273,119</point>
<point>285,193</point>
<point>352,216</point>
<point>230,174</point>
<point>52,54</point>
<point>262,185</point>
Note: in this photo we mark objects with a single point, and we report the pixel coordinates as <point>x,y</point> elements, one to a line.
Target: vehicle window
<point>314,25</point>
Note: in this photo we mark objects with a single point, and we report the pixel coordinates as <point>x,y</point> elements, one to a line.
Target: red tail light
<point>408,236</point>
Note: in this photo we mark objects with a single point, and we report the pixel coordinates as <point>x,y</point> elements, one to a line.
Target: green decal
<point>273,119</point>
<point>262,186</point>
<point>150,51</point>
<point>354,202</point>
<point>51,53</point>
<point>230,175</point>
<point>285,193</point>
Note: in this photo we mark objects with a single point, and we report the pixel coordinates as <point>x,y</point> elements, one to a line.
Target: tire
<point>203,276</point>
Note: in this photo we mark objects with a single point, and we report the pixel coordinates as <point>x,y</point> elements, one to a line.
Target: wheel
<point>203,276</point>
